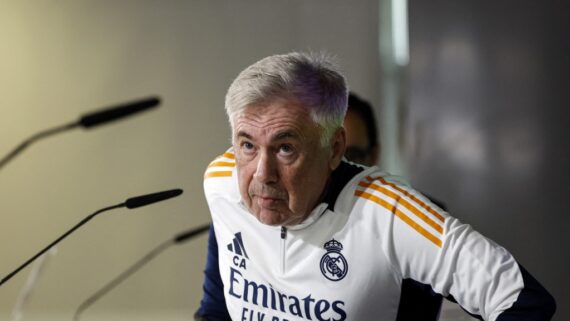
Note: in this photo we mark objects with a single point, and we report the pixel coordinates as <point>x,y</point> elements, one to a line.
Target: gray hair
<point>311,79</point>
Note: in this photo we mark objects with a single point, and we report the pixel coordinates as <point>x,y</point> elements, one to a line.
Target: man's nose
<point>266,171</point>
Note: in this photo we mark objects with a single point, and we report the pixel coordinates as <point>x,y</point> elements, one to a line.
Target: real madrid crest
<point>333,264</point>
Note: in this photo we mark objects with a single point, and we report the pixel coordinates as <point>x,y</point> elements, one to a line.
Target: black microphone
<point>87,121</point>
<point>178,239</point>
<point>117,112</point>
<point>165,195</point>
<point>143,200</point>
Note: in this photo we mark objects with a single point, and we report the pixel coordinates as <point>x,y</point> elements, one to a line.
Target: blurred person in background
<point>362,144</point>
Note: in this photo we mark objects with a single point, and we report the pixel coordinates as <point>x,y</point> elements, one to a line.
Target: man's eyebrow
<point>242,133</point>
<point>279,136</point>
<point>285,134</point>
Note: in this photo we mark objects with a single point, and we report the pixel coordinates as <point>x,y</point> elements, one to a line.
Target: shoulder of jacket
<point>392,195</point>
<point>219,176</point>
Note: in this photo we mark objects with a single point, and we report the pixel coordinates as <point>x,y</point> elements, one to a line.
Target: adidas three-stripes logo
<point>237,247</point>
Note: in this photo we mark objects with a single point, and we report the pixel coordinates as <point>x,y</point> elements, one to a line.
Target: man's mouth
<point>266,201</point>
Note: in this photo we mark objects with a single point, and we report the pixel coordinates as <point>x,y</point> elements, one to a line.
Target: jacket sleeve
<point>427,245</point>
<point>213,304</point>
<point>533,302</point>
<point>483,277</point>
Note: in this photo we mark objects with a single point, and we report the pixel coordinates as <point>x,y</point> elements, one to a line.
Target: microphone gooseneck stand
<point>20,148</point>
<point>33,258</point>
<point>30,284</point>
<point>180,238</point>
<point>87,121</point>
<point>131,203</point>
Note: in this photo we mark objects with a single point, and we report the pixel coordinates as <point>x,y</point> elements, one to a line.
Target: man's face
<point>282,167</point>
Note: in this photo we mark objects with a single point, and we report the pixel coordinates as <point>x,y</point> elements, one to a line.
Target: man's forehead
<point>273,134</point>
<point>279,111</point>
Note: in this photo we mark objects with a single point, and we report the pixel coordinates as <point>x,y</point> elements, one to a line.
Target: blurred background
<point>471,97</point>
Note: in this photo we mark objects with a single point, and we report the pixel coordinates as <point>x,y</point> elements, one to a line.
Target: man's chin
<point>271,218</point>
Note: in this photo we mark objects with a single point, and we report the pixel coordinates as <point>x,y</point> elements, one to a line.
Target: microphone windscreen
<point>191,233</point>
<point>117,112</point>
<point>143,200</point>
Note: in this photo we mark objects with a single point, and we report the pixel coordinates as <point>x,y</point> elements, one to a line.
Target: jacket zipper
<point>283,249</point>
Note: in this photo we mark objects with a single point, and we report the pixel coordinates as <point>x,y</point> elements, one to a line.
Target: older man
<point>299,234</point>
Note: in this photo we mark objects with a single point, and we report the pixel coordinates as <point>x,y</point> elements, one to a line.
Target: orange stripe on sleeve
<point>412,197</point>
<point>401,215</point>
<point>218,174</point>
<point>405,203</point>
<point>222,164</point>
<point>229,155</point>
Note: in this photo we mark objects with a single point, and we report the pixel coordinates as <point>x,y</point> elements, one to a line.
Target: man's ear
<point>338,147</point>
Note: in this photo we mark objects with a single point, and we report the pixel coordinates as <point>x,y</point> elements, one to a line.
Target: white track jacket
<point>349,258</point>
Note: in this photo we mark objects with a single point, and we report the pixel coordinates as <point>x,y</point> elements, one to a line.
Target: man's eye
<point>247,147</point>
<point>286,149</point>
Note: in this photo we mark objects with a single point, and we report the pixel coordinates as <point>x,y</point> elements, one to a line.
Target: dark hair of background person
<point>368,155</point>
